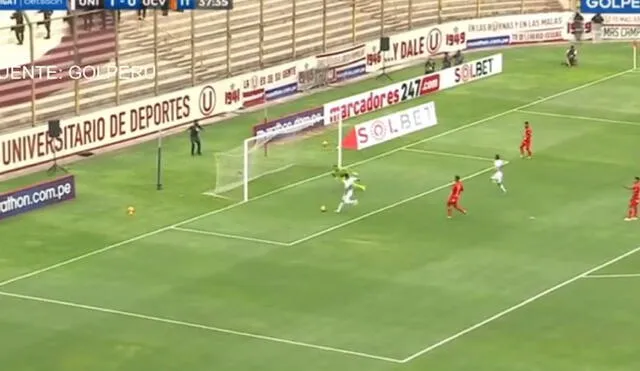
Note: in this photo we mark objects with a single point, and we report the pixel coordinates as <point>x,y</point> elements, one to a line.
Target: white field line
<point>628,275</point>
<point>278,190</point>
<point>212,193</point>
<point>198,326</point>
<point>518,306</point>
<point>385,208</point>
<point>230,236</point>
<point>583,118</point>
<point>448,154</point>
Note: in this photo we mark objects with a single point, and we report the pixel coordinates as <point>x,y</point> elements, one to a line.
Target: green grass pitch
<point>542,278</point>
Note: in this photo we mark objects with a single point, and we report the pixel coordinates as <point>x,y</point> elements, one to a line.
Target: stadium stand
<point>187,48</point>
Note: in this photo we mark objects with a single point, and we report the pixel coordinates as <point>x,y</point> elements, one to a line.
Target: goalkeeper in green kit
<point>338,172</point>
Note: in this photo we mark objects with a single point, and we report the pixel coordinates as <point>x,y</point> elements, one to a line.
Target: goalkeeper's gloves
<point>361,186</point>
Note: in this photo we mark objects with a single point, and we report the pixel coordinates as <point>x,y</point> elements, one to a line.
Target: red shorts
<point>634,202</point>
<point>526,143</point>
<point>452,202</point>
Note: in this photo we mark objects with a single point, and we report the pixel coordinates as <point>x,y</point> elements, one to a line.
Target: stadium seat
<point>136,46</point>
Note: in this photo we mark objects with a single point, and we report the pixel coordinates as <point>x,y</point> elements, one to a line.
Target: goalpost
<point>271,154</point>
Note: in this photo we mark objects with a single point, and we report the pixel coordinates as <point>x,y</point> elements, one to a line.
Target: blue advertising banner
<point>488,42</point>
<point>21,5</point>
<point>37,196</point>
<point>610,6</point>
<point>303,121</point>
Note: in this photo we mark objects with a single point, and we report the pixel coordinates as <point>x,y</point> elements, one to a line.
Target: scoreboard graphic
<point>65,5</point>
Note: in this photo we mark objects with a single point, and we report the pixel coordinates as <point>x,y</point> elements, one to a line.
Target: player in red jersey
<point>454,197</point>
<point>525,146</point>
<point>632,214</point>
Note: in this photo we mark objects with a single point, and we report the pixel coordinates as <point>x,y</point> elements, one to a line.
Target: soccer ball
<point>325,143</point>
<point>323,208</point>
<point>131,210</point>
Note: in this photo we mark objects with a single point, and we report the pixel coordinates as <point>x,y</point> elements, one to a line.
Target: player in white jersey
<point>498,176</point>
<point>350,183</point>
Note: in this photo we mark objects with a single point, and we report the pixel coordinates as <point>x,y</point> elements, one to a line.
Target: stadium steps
<point>174,46</point>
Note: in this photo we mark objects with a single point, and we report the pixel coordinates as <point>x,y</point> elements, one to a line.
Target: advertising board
<point>301,121</point>
<point>343,64</point>
<point>373,100</point>
<point>618,27</point>
<point>395,125</point>
<point>117,125</point>
<point>515,29</point>
<point>273,83</point>
<point>37,196</point>
<point>416,45</point>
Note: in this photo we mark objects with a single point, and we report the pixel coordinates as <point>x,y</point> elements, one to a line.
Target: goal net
<point>271,155</point>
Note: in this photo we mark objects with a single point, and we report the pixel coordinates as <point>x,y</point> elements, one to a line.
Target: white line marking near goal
<point>583,118</point>
<point>629,275</point>
<point>388,207</point>
<point>198,326</point>
<point>230,236</point>
<point>232,186</point>
<point>212,194</point>
<point>448,154</point>
<point>281,189</point>
<point>518,306</point>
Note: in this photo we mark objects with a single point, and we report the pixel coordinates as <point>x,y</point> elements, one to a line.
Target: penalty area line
<point>518,306</point>
<point>230,236</point>
<point>385,208</point>
<point>198,326</point>
<point>627,275</point>
<point>447,154</point>
<point>582,118</point>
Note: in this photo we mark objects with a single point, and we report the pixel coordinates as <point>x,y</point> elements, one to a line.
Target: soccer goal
<point>285,153</point>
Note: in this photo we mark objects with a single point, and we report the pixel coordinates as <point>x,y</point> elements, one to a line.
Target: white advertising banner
<point>33,146</point>
<point>417,45</point>
<point>396,125</point>
<point>615,27</point>
<point>344,64</point>
<point>620,32</point>
<point>516,29</point>
<point>471,71</point>
<point>373,100</point>
<point>274,82</point>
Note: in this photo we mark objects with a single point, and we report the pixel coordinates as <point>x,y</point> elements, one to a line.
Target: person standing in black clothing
<point>429,66</point>
<point>446,61</point>
<point>194,135</point>
<point>46,21</point>
<point>142,12</point>
<point>458,59</point>
<point>19,27</point>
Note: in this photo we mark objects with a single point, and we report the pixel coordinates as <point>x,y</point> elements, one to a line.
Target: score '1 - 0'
<point>157,4</point>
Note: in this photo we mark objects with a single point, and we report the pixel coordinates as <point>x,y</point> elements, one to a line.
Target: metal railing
<point>202,46</point>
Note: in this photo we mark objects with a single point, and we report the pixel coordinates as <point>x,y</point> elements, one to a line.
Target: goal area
<point>276,158</point>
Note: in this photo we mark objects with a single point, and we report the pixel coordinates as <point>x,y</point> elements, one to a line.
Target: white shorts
<point>497,177</point>
<point>348,195</point>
